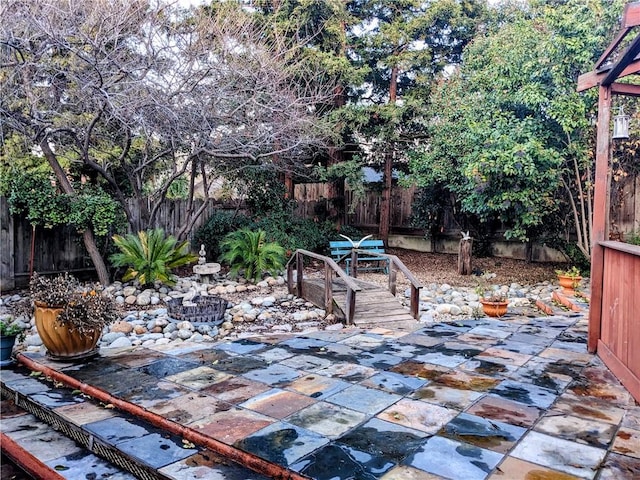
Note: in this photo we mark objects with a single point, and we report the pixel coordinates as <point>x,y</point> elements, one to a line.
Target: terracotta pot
<point>62,342</point>
<point>494,309</point>
<point>568,283</point>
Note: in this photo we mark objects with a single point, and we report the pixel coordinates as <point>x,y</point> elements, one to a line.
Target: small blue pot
<point>6,347</point>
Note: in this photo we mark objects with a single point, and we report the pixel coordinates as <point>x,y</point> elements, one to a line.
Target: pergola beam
<point>627,89</point>
<point>629,56</point>
<point>594,78</point>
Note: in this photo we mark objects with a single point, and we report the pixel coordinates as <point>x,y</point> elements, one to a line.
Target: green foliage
<point>573,272</point>
<point>8,329</point>
<point>150,256</point>
<point>633,237</point>
<point>216,228</point>
<point>509,124</point>
<point>427,209</point>
<point>248,250</point>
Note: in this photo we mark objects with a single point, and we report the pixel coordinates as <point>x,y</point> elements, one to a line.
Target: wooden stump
<point>464,254</point>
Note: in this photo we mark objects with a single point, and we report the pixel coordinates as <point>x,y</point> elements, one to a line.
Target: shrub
<point>248,250</point>
<point>217,227</point>
<point>151,256</point>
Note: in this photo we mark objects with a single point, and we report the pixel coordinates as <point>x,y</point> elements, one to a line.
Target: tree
<point>136,93</point>
<point>404,44</point>
<point>508,135</point>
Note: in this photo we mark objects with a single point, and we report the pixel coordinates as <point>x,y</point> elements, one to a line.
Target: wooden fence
<point>61,248</point>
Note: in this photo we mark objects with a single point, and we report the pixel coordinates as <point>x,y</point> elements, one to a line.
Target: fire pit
<point>207,310</point>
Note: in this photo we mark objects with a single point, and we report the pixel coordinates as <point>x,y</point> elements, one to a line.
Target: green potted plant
<point>9,333</point>
<point>569,280</point>
<point>70,316</point>
<point>494,302</point>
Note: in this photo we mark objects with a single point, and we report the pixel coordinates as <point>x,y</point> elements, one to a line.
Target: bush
<point>248,250</point>
<point>150,256</point>
<point>221,223</point>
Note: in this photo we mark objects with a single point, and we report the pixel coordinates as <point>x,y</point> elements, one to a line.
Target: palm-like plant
<point>248,250</point>
<point>151,256</point>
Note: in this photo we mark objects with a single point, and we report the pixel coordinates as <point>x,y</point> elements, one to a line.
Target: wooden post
<point>464,254</point>
<point>328,293</point>
<point>600,216</point>
<point>350,306</point>
<point>354,263</point>
<point>393,274</point>
<point>299,273</point>
<point>415,302</point>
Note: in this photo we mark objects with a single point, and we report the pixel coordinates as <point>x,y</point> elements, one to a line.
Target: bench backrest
<point>342,247</point>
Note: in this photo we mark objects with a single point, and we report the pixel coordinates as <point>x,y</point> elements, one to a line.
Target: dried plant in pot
<point>70,316</point>
<point>494,302</point>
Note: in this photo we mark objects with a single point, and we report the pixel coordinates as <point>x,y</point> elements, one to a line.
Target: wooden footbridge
<point>354,301</point>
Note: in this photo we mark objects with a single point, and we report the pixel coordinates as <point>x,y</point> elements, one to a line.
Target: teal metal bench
<point>342,250</point>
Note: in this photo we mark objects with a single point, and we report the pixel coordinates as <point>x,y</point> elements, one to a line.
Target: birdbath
<point>205,271</point>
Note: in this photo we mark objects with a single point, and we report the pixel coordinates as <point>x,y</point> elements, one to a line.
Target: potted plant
<point>9,332</point>
<point>494,302</point>
<point>569,280</point>
<point>70,316</point>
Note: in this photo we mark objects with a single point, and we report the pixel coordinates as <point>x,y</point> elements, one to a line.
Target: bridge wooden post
<point>415,301</point>
<point>393,275</point>
<point>299,273</point>
<point>328,291</point>
<point>354,263</point>
<point>350,306</point>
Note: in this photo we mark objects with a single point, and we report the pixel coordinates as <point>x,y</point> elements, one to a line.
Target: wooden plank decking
<point>375,305</point>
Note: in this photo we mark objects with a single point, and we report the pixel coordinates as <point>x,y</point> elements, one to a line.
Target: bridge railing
<point>395,265</point>
<point>296,262</point>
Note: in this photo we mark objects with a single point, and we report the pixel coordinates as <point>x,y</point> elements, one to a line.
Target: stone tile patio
<point>510,399</point>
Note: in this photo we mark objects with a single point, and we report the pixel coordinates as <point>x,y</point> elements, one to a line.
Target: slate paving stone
<point>504,410</point>
<point>232,425</point>
<point>238,365</point>
<point>86,412</point>
<point>274,375</point>
<point>529,339</point>
<point>515,469</point>
<point>38,439</point>
<point>349,372</point>
<point>83,465</point>
<point>119,428</point>
<point>135,358</point>
<point>308,363</point>
<point>363,399</point>
<point>424,340</point>
<point>241,347</point>
<point>379,361</point>
<point>28,386</point>
<point>92,372</point>
<point>543,373</point>
<point>627,442</point>
<point>339,352</point>
<point>478,340</point>
<point>189,408</point>
<point>467,381</point>
<point>157,449</point>
<point>334,336</point>
<point>341,461</point>
<point>620,467</point>
<point>163,391</point>
<point>453,398</point>
<point>210,466</point>
<point>589,408</point>
<point>631,418</point>
<point>490,368</point>
<point>327,419</point>
<point>598,382</point>
<point>278,403</point>
<point>400,350</point>
<point>525,393</point>
<point>490,434</point>
<point>421,370</point>
<point>318,386</point>
<point>364,341</point>
<point>22,426</point>
<point>282,443</point>
<point>504,357</point>
<point>303,344</point>
<point>403,472</point>
<point>577,429</point>
<point>519,347</point>
<point>561,354</point>
<point>235,390</point>
<point>167,366</point>
<point>558,454</point>
<point>56,398</point>
<point>275,354</point>
<point>486,331</point>
<point>418,415</point>
<point>394,382</point>
<point>197,378</point>
<point>207,357</point>
<point>453,459</point>
<point>180,349</point>
<point>385,439</point>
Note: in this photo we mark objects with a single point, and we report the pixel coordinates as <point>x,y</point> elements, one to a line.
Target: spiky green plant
<point>248,250</point>
<point>151,256</point>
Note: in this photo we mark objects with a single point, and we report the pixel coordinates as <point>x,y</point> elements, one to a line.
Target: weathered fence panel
<point>619,343</point>
<point>61,248</point>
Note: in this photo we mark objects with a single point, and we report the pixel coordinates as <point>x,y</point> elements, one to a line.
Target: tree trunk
<point>87,235</point>
<point>385,205</point>
<point>464,255</point>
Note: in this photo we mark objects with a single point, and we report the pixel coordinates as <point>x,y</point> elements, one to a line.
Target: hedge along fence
<point>61,249</point>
